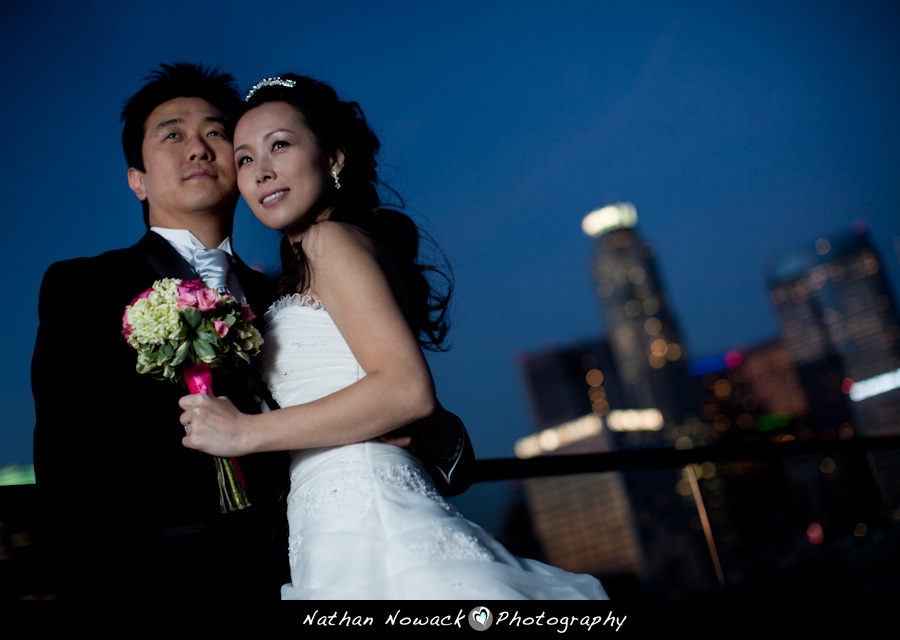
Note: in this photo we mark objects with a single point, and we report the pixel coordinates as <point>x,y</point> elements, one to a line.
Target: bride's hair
<point>341,126</point>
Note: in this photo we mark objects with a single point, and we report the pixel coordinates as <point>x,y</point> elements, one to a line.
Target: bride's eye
<point>242,161</point>
<point>278,144</point>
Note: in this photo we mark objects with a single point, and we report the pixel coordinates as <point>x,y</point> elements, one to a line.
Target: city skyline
<point>642,529</point>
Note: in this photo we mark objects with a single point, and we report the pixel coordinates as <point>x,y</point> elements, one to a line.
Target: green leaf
<point>193,316</point>
<point>183,350</point>
<point>181,333</point>
<point>203,350</point>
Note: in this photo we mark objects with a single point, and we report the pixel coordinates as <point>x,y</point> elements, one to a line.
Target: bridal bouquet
<point>181,332</point>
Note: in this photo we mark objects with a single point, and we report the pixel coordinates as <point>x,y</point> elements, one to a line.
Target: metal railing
<point>16,515</point>
<point>637,459</point>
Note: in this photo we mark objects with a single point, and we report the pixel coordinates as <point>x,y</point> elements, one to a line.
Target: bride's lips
<point>272,197</point>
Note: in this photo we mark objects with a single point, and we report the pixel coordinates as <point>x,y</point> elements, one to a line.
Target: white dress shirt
<point>183,241</point>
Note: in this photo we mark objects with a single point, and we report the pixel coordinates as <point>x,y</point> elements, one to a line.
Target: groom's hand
<point>399,438</point>
<point>435,436</point>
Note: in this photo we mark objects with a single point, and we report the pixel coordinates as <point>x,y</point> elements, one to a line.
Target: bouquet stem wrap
<point>232,492</point>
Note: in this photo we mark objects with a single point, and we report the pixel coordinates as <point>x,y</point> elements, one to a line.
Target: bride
<point>343,358</point>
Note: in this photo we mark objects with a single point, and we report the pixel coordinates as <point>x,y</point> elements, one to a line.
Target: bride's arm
<point>396,390</point>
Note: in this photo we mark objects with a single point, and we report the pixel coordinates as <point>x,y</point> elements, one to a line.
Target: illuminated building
<point>566,383</point>
<point>773,381</point>
<point>839,324</point>
<point>757,395</point>
<point>583,522</point>
<point>644,338</point>
<point>631,391</point>
<point>620,526</point>
<point>752,394</point>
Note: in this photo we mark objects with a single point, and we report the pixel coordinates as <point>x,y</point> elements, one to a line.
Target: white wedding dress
<point>365,520</point>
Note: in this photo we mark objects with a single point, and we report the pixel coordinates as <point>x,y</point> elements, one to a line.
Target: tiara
<point>270,82</point>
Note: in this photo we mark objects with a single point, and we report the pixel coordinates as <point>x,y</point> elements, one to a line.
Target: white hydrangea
<point>156,318</point>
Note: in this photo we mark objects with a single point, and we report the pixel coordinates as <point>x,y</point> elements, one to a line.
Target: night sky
<point>739,130</point>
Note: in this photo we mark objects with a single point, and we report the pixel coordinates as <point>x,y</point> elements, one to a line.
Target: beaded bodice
<point>305,357</point>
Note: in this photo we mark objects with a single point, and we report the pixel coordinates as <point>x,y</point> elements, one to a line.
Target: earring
<point>337,183</point>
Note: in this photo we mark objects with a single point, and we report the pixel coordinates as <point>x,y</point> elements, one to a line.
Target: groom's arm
<point>69,452</point>
<point>84,437</point>
<point>443,443</point>
<point>451,459</point>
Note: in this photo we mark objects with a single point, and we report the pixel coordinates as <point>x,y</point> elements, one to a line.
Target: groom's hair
<point>170,81</point>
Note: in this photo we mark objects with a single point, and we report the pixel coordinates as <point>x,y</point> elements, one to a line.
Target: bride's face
<point>281,172</point>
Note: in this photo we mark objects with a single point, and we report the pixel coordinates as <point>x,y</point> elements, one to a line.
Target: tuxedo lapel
<point>257,286</point>
<point>167,262</point>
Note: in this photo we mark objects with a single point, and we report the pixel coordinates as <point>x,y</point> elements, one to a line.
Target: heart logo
<point>480,618</point>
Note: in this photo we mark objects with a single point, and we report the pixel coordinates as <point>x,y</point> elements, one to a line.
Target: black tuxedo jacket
<point>128,510</point>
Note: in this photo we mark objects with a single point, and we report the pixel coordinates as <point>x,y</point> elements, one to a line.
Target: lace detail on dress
<point>294,545</point>
<point>352,488</point>
<point>409,478</point>
<point>292,300</point>
<point>450,544</point>
<point>347,493</point>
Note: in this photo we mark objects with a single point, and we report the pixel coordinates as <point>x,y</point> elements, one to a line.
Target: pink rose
<point>207,299</point>
<point>187,300</point>
<point>221,328</point>
<point>191,286</point>
<point>143,296</point>
<point>126,326</point>
<point>247,313</point>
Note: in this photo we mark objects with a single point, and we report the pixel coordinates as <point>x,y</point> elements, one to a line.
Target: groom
<point>127,511</point>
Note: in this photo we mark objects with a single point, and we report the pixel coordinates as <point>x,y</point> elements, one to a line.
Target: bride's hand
<point>214,425</point>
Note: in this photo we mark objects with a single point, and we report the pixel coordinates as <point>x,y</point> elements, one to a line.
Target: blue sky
<point>739,130</point>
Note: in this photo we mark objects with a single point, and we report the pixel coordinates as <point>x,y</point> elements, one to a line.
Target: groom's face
<point>188,164</point>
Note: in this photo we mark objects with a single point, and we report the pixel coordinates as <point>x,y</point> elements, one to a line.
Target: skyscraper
<point>644,337</point>
<point>631,390</point>
<point>839,323</point>
<point>584,522</point>
<point>565,383</point>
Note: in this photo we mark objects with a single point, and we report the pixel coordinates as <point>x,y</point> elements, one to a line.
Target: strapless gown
<point>365,520</point>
